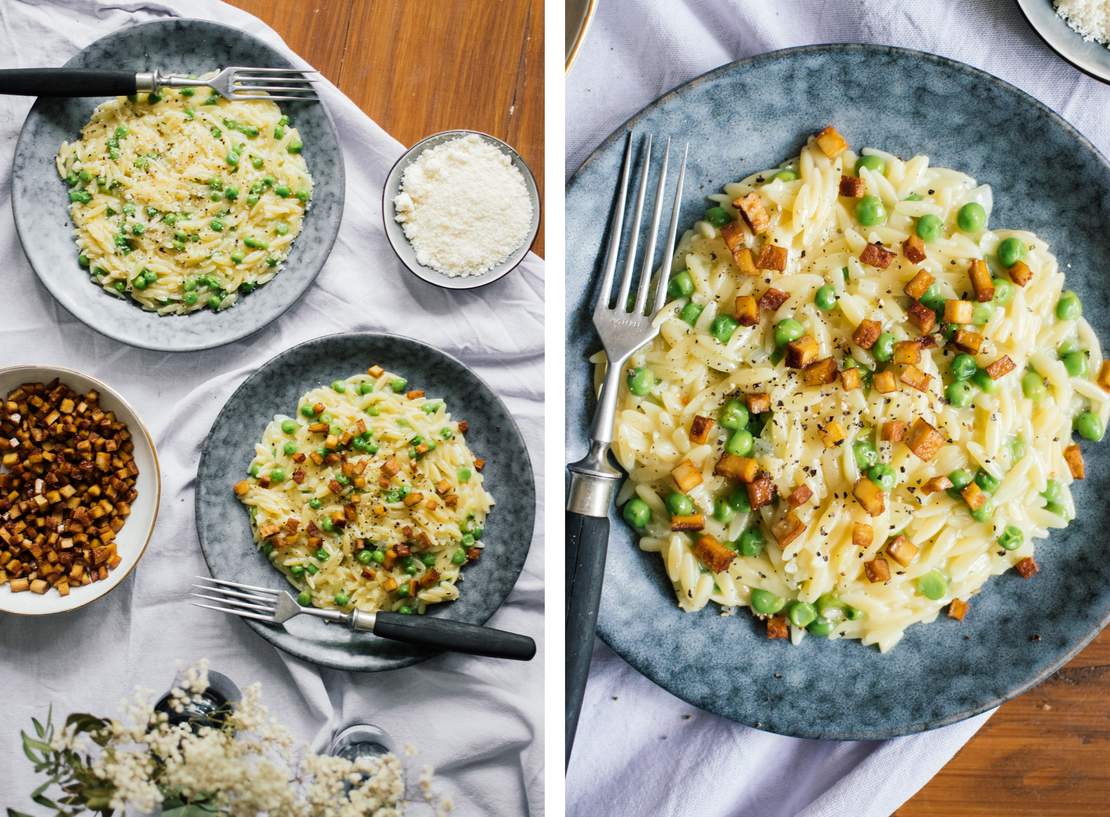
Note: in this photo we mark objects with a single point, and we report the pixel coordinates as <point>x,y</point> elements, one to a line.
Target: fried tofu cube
<point>852,187</point>
<point>700,428</point>
<point>831,142</point>
<point>1020,273</point>
<point>1027,567</point>
<point>893,431</point>
<point>733,466</point>
<point>711,553</point>
<point>870,496</point>
<point>924,440</point>
<point>967,341</point>
<point>772,299</point>
<point>761,490</point>
<point>758,402</point>
<point>901,550</point>
<point>877,570</point>
<point>974,496</point>
<point>745,261</point>
<point>820,373</point>
<point>915,378</point>
<point>1001,367</point>
<point>922,317</point>
<point>754,213</point>
<point>956,311</point>
<point>834,434</point>
<point>747,310</point>
<point>733,235</point>
<point>862,534</point>
<point>787,529</point>
<point>686,476</point>
<point>981,281</point>
<point>693,521</point>
<point>957,609</point>
<point>1074,458</point>
<point>1103,378</point>
<point>801,352</point>
<point>876,255</point>
<point>777,627</point>
<point>907,351</point>
<point>913,248</point>
<point>850,379</point>
<point>884,382</point>
<point>936,485</point>
<point>799,496</point>
<point>919,284</point>
<point>773,257</point>
<point>867,333</point>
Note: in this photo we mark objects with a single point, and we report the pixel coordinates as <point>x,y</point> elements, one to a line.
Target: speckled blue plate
<point>752,115</point>
<point>1088,56</point>
<point>40,201</point>
<point>276,388</point>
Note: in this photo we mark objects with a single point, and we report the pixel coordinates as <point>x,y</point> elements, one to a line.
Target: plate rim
<point>266,633</point>
<point>580,434</point>
<point>235,335</point>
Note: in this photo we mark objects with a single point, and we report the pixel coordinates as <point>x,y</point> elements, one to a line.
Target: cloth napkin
<point>640,750</point>
<point>478,722</point>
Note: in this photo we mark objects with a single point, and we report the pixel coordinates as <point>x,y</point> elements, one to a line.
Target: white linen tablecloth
<point>640,750</point>
<point>478,722</point>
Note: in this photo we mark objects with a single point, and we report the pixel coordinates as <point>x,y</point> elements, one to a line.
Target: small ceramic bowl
<point>1088,56</point>
<point>396,233</point>
<point>135,534</point>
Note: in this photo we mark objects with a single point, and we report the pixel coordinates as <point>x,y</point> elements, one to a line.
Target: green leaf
<point>45,801</point>
<point>13,813</point>
<point>40,730</point>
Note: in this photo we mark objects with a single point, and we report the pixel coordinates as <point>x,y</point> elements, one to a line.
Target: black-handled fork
<point>623,328</point>
<point>278,606</point>
<point>234,83</point>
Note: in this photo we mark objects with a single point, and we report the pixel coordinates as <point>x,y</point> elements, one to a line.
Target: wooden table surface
<point>417,68</point>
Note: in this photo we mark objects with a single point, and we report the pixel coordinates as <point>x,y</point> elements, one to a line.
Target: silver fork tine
<point>672,236</point>
<point>289,88</point>
<point>238,585</point>
<point>274,70</point>
<point>634,238</point>
<point>649,251</point>
<point>616,226</point>
<point>276,98</point>
<point>239,613</point>
<point>223,591</point>
<point>239,605</point>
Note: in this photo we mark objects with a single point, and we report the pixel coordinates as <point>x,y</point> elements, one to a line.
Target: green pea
<point>722,328</point>
<point>787,331</point>
<point>734,415</point>
<point>865,454</point>
<point>680,286</point>
<point>984,381</point>
<point>971,218</point>
<point>801,613</point>
<point>83,261</point>
<point>636,513</point>
<point>852,613</point>
<point>785,175</point>
<point>1076,364</point>
<point>722,511</point>
<point>341,599</point>
<point>1012,538</point>
<point>882,475</point>
<point>1067,347</point>
<point>750,543</point>
<point>691,312</point>
<point>829,606</point>
<point>307,410</point>
<point>290,449</point>
<point>254,243</point>
<point>398,385</point>
<point>1053,491</point>
<point>233,158</point>
<point>464,475</point>
<point>297,570</point>
<point>282,191</point>
<point>279,132</point>
<point>236,258</point>
<point>986,481</point>
<point>679,504</point>
<point>738,501</point>
<point>932,585</point>
<point>928,228</point>
<point>256,162</point>
<point>1010,251</point>
<point>277,475</point>
<point>766,603</point>
<point>294,147</point>
<point>1017,449</point>
<point>321,555</point>
<point>932,298</point>
<point>963,367</point>
<point>870,211</point>
<point>458,557</point>
<point>961,478</point>
<point>717,216</point>
<point>959,393</point>
<point>214,302</point>
<point>1088,426</point>
<point>1033,387</point>
<point>640,381</point>
<point>871,162</point>
<point>1003,291</point>
<point>821,627</point>
<point>338,386</point>
<point>984,512</point>
<point>404,610</point>
<point>411,568</point>
<point>315,504</point>
<point>304,598</point>
<point>1069,307</point>
<point>825,298</point>
<point>1056,508</point>
<point>883,350</point>
<point>216,225</point>
<point>740,442</point>
<point>80,196</point>
<point>982,313</point>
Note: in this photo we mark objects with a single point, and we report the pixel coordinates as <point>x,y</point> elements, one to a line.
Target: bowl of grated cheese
<point>1077,30</point>
<point>461,209</point>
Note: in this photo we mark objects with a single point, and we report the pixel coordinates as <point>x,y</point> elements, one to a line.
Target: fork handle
<point>445,634</point>
<point>66,82</point>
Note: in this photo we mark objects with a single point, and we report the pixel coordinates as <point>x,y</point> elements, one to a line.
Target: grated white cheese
<point>464,206</point>
<point>1091,18</point>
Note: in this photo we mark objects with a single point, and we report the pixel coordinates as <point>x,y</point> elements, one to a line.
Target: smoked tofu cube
<point>1074,458</point>
<point>799,496</point>
<point>1104,375</point>
<point>915,378</point>
<point>787,529</point>
<point>914,250</point>
<point>834,434</point>
<point>862,534</point>
<point>1001,367</point>
<point>758,402</point>
<point>901,550</point>
<point>747,310</point>
<point>924,440</point>
<point>733,235</point>
<point>852,187</point>
<point>772,256</point>
<point>981,281</point>
<point>1027,567</point>
<point>700,428</point>
<point>801,352</point>
<point>870,496</point>
<point>919,284</point>
<point>936,485</point>
<point>957,609</point>
<point>761,490</point>
<point>777,627</point>
<point>754,213</point>
<point>712,553</point>
<point>958,311</point>
<point>820,373</point>
<point>974,496</point>
<point>1020,273</point>
<point>907,351</point>
<point>850,379</point>
<point>893,431</point>
<point>967,341</point>
<point>693,521</point>
<point>745,261</point>
<point>922,317</point>
<point>884,382</point>
<point>772,299</point>
<point>830,141</point>
<point>867,333</point>
<point>733,466</point>
<point>686,476</point>
<point>877,570</point>
<point>876,255</point>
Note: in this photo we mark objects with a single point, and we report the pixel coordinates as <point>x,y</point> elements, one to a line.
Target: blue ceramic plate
<point>1088,56</point>
<point>752,115</point>
<point>40,201</point>
<point>224,529</point>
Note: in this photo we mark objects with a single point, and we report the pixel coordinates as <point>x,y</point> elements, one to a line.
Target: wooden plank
<point>315,30</point>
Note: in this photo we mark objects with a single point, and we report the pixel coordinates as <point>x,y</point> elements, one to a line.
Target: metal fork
<point>278,606</point>
<point>623,329</point>
<point>241,82</point>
